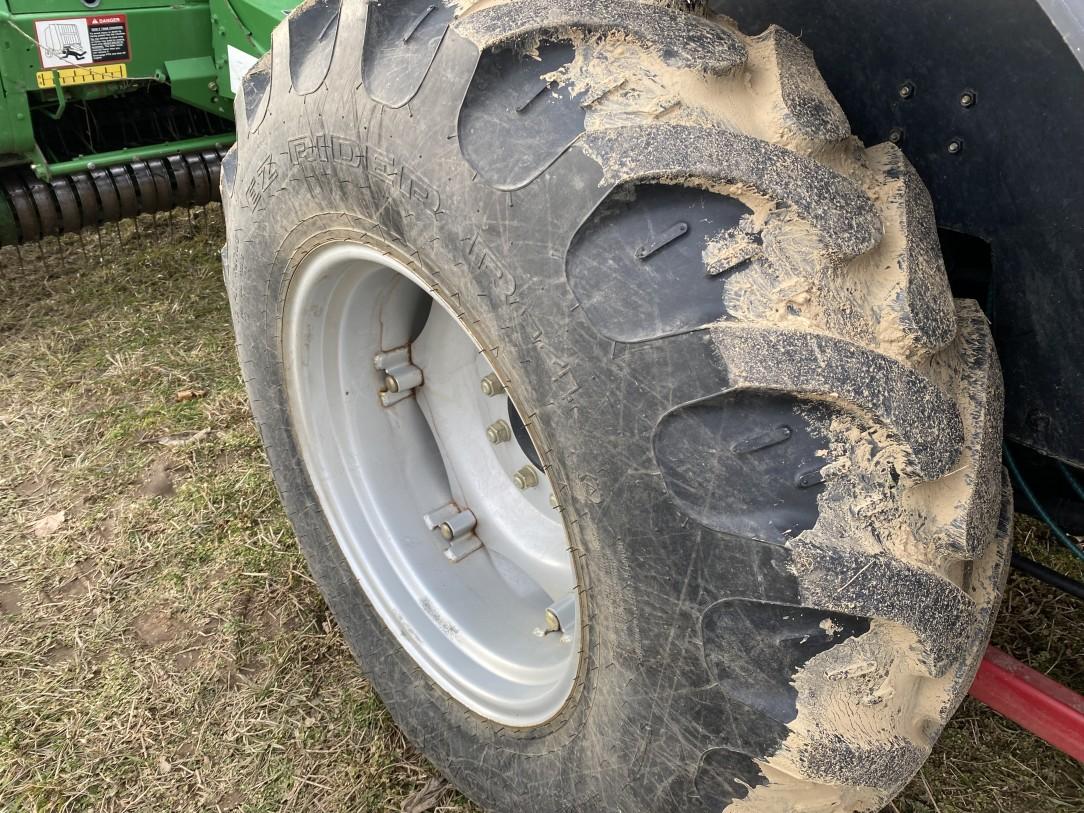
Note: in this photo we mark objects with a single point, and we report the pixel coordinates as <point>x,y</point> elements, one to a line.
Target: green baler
<point>110,109</point>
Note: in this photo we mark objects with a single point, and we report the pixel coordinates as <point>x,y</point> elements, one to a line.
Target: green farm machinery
<point>112,109</point>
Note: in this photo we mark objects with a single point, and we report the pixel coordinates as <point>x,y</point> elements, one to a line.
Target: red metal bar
<point>1030,699</point>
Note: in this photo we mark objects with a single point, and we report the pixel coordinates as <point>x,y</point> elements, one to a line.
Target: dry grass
<point>161,644</point>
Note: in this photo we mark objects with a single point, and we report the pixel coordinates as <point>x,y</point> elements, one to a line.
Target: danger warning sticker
<point>74,41</point>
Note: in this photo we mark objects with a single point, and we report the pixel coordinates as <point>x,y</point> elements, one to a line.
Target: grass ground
<point>161,644</point>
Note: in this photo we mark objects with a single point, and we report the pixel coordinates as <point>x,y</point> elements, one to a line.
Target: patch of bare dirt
<point>158,627</point>
<point>48,525</point>
<point>158,482</point>
<point>78,580</point>
<point>11,598</point>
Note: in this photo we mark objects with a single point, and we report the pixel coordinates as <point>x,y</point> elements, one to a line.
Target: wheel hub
<point>431,484</point>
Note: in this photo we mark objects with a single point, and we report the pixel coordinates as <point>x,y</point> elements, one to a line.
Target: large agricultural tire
<point>773,436</point>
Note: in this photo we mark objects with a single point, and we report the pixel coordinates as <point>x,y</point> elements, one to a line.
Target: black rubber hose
<point>1051,577</point>
<point>1068,513</point>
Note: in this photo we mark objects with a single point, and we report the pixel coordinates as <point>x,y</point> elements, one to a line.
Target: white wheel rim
<point>478,626</point>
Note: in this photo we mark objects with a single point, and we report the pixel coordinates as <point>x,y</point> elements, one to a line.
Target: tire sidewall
<point>261,270</point>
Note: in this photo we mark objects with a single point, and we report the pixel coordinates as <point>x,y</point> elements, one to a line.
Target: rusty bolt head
<point>499,432</point>
<point>491,385</point>
<point>525,478</point>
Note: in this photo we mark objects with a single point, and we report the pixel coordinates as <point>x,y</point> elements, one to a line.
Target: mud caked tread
<point>881,586</point>
<point>806,105</point>
<point>874,601</point>
<point>923,304</point>
<point>921,417</point>
<point>842,214</point>
<point>973,487</point>
<point>692,42</point>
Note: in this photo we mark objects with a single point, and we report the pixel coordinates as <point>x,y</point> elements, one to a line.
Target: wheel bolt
<point>525,478</point>
<point>561,615</point>
<point>457,526</point>
<point>491,385</point>
<point>499,432</point>
<point>403,379</point>
<point>553,623</point>
<point>400,376</point>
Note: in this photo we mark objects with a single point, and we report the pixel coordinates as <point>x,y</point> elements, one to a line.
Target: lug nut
<point>499,432</point>
<point>967,99</point>
<point>525,478</point>
<point>491,385</point>
<point>955,147</point>
<point>907,90</point>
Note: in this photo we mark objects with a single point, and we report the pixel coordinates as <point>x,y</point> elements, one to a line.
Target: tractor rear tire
<point>774,436</point>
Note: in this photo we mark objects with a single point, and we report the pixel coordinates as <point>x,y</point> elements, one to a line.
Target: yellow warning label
<point>83,76</point>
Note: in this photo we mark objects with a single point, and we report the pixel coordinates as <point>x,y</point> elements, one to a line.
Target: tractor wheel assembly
<point>618,399</point>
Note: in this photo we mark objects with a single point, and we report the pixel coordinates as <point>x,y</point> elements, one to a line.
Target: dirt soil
<point>162,646</point>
